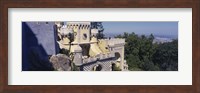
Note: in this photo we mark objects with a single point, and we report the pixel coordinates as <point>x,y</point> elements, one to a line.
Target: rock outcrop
<point>61,62</point>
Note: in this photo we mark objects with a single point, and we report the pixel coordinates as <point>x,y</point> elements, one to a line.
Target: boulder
<point>61,62</point>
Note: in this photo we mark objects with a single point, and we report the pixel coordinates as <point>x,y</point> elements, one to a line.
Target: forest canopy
<point>142,54</point>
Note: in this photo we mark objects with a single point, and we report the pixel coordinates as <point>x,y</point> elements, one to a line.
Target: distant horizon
<point>163,29</point>
<point>163,36</point>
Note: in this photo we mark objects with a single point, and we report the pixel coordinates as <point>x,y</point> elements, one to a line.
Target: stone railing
<point>98,57</point>
<point>114,41</point>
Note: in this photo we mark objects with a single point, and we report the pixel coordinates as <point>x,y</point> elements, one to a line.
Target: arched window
<point>97,68</point>
<point>117,55</point>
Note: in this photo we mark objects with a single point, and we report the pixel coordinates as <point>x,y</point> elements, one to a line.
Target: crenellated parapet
<point>78,25</point>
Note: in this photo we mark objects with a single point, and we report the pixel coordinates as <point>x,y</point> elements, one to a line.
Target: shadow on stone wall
<point>34,56</point>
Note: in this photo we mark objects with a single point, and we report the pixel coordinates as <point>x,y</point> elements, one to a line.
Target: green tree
<point>142,54</point>
<point>166,56</point>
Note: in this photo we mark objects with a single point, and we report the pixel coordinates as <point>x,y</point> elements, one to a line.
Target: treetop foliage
<point>144,55</point>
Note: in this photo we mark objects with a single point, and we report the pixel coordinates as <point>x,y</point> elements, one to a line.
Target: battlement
<point>78,25</point>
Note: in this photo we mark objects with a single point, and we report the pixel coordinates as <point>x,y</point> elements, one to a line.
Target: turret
<point>78,56</point>
<point>94,33</point>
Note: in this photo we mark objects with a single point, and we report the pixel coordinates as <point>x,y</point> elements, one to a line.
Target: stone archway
<point>117,56</point>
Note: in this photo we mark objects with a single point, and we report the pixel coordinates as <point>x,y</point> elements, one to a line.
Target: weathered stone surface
<point>41,35</point>
<point>60,62</point>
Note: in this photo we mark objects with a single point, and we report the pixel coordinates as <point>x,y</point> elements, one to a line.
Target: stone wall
<point>40,36</point>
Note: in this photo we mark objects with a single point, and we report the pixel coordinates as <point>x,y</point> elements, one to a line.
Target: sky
<point>146,28</point>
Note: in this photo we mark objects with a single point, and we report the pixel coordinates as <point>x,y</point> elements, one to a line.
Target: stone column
<point>122,59</point>
<point>78,56</point>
